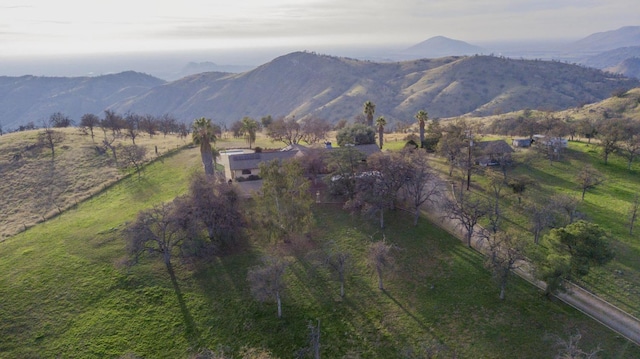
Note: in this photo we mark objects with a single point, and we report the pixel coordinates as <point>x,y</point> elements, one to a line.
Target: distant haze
<point>32,32</point>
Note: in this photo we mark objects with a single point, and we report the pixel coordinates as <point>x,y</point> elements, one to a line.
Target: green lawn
<point>64,294</point>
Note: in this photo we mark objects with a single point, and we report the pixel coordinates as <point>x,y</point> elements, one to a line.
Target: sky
<point>39,28</point>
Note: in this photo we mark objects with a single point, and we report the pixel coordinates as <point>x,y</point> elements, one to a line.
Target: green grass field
<point>64,294</point>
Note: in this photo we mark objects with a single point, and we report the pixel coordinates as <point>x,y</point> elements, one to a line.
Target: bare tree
<point>496,185</point>
<point>467,211</point>
<point>315,129</point>
<point>539,218</point>
<point>216,206</point>
<point>380,258</point>
<point>50,137</point>
<point>132,156</point>
<point>566,205</point>
<point>160,230</point>
<point>505,253</point>
<point>89,121</point>
<point>286,130</point>
<point>338,261</point>
<point>633,213</point>
<point>422,184</point>
<point>569,348</point>
<point>377,189</point>
<point>610,133</point>
<point>132,126</point>
<point>589,178</point>
<point>267,281</point>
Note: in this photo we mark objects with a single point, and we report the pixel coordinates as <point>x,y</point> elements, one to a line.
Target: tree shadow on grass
<point>192,333</point>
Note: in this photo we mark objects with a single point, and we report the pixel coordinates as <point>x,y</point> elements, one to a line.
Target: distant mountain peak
<point>441,46</point>
<point>608,40</point>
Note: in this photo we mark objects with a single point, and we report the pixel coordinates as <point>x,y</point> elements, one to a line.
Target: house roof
<point>249,161</point>
<point>252,160</point>
<point>498,146</point>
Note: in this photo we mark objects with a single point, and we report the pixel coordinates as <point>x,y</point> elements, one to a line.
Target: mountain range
<point>304,84</point>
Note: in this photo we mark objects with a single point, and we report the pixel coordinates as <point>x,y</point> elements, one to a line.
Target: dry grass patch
<point>35,188</point>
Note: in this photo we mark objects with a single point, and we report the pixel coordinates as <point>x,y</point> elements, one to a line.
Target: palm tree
<point>369,110</point>
<point>203,134</point>
<point>422,118</point>
<point>380,123</point>
<point>249,129</point>
<point>215,153</point>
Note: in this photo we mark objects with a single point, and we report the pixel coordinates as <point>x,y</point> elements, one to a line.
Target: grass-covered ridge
<point>65,296</point>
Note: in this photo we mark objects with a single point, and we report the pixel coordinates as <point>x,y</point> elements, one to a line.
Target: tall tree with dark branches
<point>203,134</point>
<point>380,123</point>
<point>368,110</point>
<point>422,116</point>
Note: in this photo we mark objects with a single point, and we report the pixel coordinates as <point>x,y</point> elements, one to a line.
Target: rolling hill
<point>308,84</point>
<point>440,46</point>
<point>33,99</point>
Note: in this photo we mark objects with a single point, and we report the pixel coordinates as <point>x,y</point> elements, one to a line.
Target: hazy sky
<point>45,27</point>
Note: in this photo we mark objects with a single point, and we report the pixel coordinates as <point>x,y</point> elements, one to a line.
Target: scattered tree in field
<point>494,215</point>
<point>565,205</point>
<point>344,163</point>
<point>585,243</point>
<point>266,121</point>
<point>168,124</point>
<point>540,217</point>
<point>112,121</point>
<point>132,126</point>
<point>203,134</point>
<point>569,348</point>
<point>50,138</point>
<point>356,134</point>
<point>467,211</point>
<point>160,230</point>
<point>505,253</point>
<point>433,134</point>
<point>286,130</point>
<point>148,124</point>
<point>422,116</point>
<point>630,147</point>
<point>369,108</point>
<point>215,206</point>
<point>315,129</point>
<point>60,120</point>
<point>132,156</point>
<point>518,185</point>
<point>249,129</point>
<point>588,127</point>
<point>377,188</point>
<point>380,258</point>
<point>380,123</point>
<point>267,281</point>
<point>610,133</point>
<point>89,121</point>
<point>422,184</point>
<point>633,213</point>
<point>285,201</point>
<point>338,262</point>
<point>589,178</point>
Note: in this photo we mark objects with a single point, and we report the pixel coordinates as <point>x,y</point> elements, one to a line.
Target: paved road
<point>606,313</point>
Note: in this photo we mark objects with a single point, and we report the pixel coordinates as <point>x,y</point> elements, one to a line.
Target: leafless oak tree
<point>267,281</point>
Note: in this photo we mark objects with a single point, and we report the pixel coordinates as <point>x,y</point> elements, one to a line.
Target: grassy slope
<point>79,172</point>
<point>607,205</point>
<point>63,295</point>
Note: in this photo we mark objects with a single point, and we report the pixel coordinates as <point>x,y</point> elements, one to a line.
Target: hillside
<point>308,84</point>
<point>64,294</point>
<point>33,99</point>
<point>607,40</point>
<point>440,46</point>
<point>629,67</point>
<point>34,188</point>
